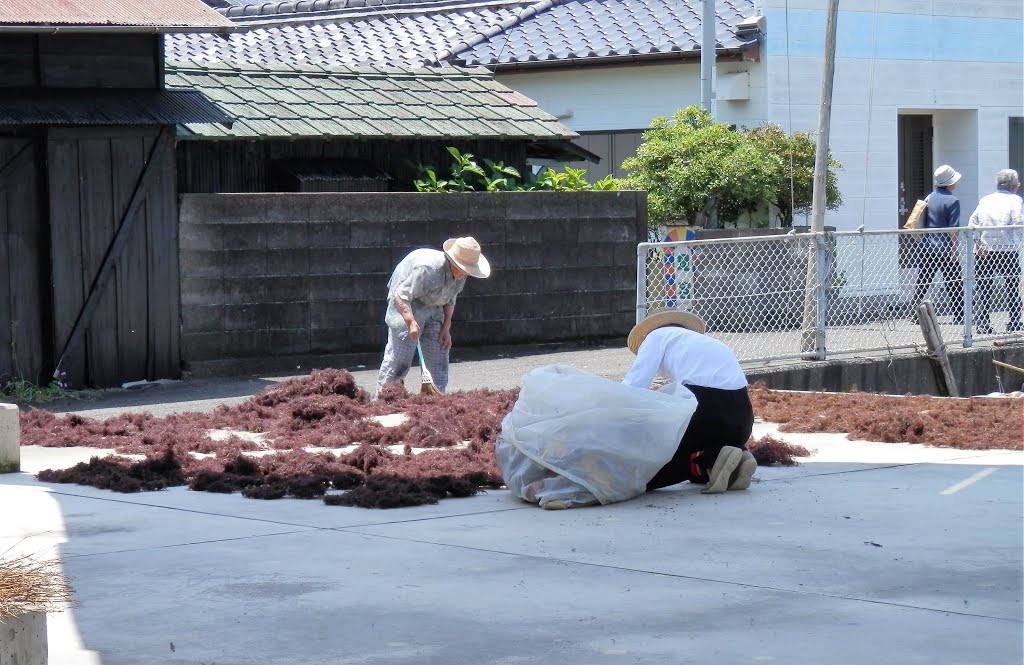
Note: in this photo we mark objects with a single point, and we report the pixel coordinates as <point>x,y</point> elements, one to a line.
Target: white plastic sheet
<point>574,438</point>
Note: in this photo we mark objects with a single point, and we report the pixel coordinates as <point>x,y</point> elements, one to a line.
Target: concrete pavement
<point>866,553</point>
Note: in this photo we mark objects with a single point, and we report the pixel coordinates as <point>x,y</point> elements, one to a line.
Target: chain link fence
<point>815,295</point>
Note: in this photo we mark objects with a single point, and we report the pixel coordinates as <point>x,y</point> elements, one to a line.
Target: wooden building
<point>360,128</point>
<point>88,212</point>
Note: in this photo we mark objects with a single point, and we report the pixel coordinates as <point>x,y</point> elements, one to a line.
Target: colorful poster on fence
<point>678,266</point>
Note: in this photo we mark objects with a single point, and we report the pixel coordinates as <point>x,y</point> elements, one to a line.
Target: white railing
<point>814,295</point>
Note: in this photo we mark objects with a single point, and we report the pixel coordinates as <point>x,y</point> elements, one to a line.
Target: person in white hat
<point>421,299</point>
<point>940,251</point>
<point>713,448</point>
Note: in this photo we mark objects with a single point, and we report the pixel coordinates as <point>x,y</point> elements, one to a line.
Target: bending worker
<point>421,300</point>
<point>713,447</point>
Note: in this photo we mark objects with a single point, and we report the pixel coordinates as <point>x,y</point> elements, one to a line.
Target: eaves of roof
<point>108,107</point>
<point>110,16</point>
<point>287,101</point>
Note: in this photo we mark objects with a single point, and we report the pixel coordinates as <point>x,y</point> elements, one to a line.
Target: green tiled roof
<point>289,101</point>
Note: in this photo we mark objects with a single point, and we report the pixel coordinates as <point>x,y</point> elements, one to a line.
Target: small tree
<point>691,166</point>
<point>794,180</point>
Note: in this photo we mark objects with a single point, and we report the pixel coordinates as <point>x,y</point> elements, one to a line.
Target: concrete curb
<point>27,640</point>
<point>10,439</point>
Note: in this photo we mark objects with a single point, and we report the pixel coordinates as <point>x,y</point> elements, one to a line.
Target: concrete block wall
<point>282,277</point>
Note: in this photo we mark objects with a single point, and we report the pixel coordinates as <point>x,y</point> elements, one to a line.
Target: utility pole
<point>708,42</point>
<point>824,121</point>
<point>812,328</point>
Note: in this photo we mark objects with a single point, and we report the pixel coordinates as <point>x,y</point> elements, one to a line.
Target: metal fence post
<point>641,282</point>
<point>969,281</point>
<point>820,294</point>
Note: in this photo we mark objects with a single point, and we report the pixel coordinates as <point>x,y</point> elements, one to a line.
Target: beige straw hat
<point>465,253</point>
<point>660,319</point>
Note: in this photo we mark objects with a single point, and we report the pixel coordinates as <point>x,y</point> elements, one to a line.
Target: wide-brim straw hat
<point>668,317</point>
<point>465,253</point>
<point>945,176</point>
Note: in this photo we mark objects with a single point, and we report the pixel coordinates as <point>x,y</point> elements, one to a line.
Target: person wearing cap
<point>998,252</point>
<point>940,251</point>
<point>713,448</point>
<point>421,299</point>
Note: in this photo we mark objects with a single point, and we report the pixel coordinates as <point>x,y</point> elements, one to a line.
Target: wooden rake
<point>427,386</point>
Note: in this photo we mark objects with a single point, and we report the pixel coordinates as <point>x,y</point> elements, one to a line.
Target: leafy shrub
<point>466,175</point>
<point>692,167</point>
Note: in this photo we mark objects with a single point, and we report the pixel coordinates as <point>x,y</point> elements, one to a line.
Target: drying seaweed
<point>122,475</point>
<point>293,420</point>
<point>977,423</point>
<point>769,451</point>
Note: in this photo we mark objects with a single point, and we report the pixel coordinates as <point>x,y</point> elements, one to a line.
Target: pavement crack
<point>746,585</point>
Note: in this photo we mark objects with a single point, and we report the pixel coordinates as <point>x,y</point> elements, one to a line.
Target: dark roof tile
<point>442,103</point>
<point>491,32</point>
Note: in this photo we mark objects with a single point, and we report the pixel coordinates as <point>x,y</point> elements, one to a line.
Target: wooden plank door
<point>24,256</point>
<point>131,330</point>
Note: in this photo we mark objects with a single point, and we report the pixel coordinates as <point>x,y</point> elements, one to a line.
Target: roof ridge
<point>313,9</point>
<point>306,69</point>
<point>507,24</point>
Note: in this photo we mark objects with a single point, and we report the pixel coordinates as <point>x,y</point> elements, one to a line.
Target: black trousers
<point>722,418</point>
<point>928,264</point>
<point>1006,264</point>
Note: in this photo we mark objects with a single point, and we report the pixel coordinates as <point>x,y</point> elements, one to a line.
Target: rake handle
<point>427,378</point>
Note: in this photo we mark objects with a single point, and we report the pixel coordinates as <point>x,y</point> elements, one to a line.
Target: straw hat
<point>665,317</point>
<point>465,253</point>
<point>945,176</point>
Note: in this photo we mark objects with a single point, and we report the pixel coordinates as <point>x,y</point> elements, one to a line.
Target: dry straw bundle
<point>28,584</point>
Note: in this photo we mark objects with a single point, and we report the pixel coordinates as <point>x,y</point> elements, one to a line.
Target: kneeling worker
<point>713,447</point>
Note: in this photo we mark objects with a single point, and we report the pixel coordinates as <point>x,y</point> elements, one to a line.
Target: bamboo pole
<point>1008,366</point>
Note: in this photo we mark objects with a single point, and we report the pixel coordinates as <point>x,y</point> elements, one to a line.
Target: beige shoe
<point>744,473</point>
<point>728,460</point>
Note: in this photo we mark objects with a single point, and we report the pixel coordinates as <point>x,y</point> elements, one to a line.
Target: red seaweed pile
<point>323,411</point>
<point>976,423</point>
<point>293,427</point>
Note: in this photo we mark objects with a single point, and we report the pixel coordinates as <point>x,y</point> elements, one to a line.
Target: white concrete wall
<point>961,62</point>
<point>630,96</point>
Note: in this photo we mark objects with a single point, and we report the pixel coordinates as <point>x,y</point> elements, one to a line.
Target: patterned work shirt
<point>424,280</point>
<point>999,209</point>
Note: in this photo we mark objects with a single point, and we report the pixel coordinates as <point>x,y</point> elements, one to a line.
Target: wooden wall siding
<point>134,332</point>
<point>80,61</point>
<point>245,166</point>
<point>18,59</point>
<point>24,292</point>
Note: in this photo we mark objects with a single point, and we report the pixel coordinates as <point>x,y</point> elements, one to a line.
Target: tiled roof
<point>110,15</point>
<point>489,32</point>
<point>596,29</point>
<point>366,102</point>
<point>404,37</point>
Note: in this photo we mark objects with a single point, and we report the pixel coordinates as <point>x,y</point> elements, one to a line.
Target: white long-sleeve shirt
<point>999,209</point>
<point>685,357</point>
